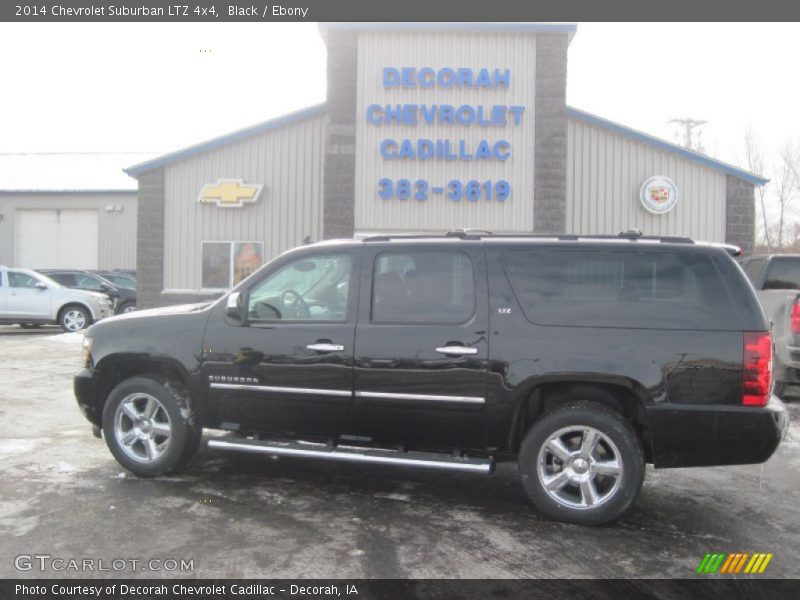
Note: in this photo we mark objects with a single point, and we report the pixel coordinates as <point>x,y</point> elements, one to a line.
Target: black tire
<point>620,490</point>
<point>67,316</point>
<point>184,424</point>
<point>126,306</point>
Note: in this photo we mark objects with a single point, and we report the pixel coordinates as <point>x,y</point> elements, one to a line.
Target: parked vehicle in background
<point>581,358</point>
<point>123,299</point>
<point>776,278</point>
<point>119,279</point>
<point>30,299</point>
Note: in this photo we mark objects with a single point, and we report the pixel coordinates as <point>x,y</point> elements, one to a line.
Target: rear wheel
<point>582,463</point>
<point>150,427</point>
<point>74,318</point>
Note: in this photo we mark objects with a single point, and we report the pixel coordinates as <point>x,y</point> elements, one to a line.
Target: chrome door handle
<point>456,350</point>
<point>326,347</point>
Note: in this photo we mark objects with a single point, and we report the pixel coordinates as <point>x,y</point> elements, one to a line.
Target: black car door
<point>421,344</point>
<point>289,368</point>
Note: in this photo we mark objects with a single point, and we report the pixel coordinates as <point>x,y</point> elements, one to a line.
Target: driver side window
<point>312,288</point>
<point>21,280</point>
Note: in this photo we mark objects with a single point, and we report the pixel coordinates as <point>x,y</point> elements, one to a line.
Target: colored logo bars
<point>735,563</point>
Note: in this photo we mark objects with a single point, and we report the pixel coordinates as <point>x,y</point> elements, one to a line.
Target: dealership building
<point>426,128</point>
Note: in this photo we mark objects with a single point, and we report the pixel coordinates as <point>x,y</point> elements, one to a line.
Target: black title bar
<point>710,588</point>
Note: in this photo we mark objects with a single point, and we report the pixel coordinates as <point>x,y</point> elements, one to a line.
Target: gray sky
<point>121,87</point>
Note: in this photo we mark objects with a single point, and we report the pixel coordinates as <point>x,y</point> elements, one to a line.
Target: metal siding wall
<point>117,230</point>
<point>287,161</point>
<point>605,171</point>
<point>474,50</point>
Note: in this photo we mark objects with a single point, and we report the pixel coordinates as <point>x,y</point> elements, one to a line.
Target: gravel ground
<point>62,494</point>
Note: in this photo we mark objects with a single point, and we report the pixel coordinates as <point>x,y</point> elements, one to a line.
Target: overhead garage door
<point>57,239</point>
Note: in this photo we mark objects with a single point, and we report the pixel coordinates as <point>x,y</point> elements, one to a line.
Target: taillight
<point>794,317</point>
<point>757,368</point>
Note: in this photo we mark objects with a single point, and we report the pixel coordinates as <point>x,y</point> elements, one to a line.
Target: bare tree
<point>787,187</point>
<point>756,163</point>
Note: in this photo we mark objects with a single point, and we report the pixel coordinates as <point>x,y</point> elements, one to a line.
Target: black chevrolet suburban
<point>581,358</point>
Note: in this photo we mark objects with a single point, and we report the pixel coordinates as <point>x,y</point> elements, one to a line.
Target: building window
<point>226,264</point>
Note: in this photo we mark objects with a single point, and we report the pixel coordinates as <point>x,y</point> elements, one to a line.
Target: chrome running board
<point>355,454</point>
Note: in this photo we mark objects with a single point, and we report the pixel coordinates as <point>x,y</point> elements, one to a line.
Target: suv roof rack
<point>479,234</point>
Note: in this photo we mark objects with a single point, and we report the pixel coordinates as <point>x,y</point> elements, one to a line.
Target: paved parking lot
<point>63,495</point>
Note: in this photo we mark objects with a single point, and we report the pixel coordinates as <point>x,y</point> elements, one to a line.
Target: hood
<point>179,309</point>
<point>84,293</point>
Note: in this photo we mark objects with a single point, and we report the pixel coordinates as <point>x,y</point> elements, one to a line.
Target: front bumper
<point>83,383</point>
<point>104,311</point>
<point>689,436</point>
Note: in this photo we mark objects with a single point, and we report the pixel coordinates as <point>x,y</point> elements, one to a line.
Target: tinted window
<point>63,278</point>
<point>423,287</point>
<point>784,274</point>
<point>313,288</point>
<point>615,288</point>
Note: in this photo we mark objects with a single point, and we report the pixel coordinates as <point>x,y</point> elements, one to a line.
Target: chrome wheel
<point>142,427</point>
<point>74,320</point>
<point>579,467</point>
<point>129,309</point>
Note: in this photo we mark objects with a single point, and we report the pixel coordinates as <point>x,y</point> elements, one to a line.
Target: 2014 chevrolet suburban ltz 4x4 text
<point>580,358</point>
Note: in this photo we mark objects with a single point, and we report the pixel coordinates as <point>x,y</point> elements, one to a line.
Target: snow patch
<point>393,496</point>
<point>74,337</point>
<point>17,445</point>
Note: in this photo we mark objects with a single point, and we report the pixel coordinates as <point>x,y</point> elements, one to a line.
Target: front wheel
<point>126,308</point>
<point>150,427</point>
<point>582,463</point>
<point>74,318</point>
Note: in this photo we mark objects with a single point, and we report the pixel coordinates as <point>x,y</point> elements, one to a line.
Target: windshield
<point>121,281</point>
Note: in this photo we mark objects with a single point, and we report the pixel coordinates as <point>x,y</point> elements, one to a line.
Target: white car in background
<point>30,299</point>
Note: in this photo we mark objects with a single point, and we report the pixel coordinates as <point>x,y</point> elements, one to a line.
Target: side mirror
<point>233,307</point>
<point>105,287</point>
<point>41,285</point>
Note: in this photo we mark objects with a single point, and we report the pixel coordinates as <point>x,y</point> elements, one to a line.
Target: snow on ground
<point>75,337</point>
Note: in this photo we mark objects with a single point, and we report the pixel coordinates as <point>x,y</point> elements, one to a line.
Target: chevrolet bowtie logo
<point>229,193</point>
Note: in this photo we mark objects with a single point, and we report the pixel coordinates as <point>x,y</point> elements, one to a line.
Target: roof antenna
<point>307,240</point>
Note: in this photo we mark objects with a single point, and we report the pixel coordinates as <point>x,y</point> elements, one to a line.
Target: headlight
<point>87,351</point>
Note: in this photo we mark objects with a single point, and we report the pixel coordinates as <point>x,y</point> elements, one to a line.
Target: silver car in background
<point>31,299</point>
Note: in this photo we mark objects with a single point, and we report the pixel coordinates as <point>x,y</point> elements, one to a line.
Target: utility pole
<point>689,125</point>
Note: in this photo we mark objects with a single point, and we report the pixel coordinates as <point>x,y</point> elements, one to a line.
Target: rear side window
<point>784,274</point>
<point>423,287</point>
<point>616,288</point>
